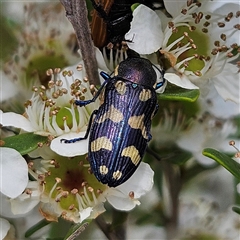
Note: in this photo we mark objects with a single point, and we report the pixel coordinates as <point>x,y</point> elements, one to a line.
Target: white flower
<point>207,132</point>
<point>67,188</point>
<point>207,123</point>
<point>51,111</point>
<point>198,45</point>
<point>14,172</point>
<point>7,88</point>
<point>6,230</point>
<point>46,40</point>
<point>5,226</point>
<point>213,103</point>
<point>203,220</point>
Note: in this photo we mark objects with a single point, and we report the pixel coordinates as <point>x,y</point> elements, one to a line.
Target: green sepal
<point>236,193</point>
<point>24,143</point>
<point>134,6</point>
<point>173,92</point>
<point>235,50</point>
<point>76,229</point>
<point>39,225</point>
<point>224,160</point>
<point>236,209</point>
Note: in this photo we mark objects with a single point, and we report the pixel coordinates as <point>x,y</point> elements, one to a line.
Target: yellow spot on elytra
<point>113,114</point>
<point>116,71</point>
<point>99,143</point>
<point>117,175</point>
<point>136,122</point>
<point>132,153</point>
<point>103,170</point>
<point>120,87</point>
<point>145,94</point>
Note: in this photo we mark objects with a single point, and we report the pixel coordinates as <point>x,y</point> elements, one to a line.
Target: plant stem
<point>76,12</point>
<point>174,182</point>
<point>116,230</point>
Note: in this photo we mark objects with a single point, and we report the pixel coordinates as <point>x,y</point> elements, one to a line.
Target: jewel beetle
<point>119,130</point>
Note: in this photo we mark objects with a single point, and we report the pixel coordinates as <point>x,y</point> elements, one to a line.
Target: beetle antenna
<point>154,154</point>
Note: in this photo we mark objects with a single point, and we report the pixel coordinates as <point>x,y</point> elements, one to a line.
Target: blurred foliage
<point>8,40</point>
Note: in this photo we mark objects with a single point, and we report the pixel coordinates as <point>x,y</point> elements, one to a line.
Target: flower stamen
<point>58,180</point>
<point>237,154</point>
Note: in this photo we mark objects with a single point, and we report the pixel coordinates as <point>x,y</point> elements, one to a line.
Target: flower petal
<point>182,81</point>
<point>227,83</point>
<point>221,8</point>
<point>215,104</point>
<point>100,60</point>
<point>15,120</point>
<point>97,210</point>
<point>14,172</point>
<point>5,226</point>
<point>23,207</point>
<point>70,149</point>
<point>174,7</point>
<point>121,202</point>
<point>10,89</point>
<point>149,40</point>
<point>140,182</point>
<point>85,213</point>
<point>5,210</point>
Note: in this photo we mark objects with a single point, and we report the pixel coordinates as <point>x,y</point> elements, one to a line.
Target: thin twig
<point>76,12</point>
<point>116,234</point>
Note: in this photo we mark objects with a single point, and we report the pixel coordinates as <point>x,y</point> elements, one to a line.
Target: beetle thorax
<point>137,70</point>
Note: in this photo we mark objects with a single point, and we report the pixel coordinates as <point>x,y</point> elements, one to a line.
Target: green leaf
<point>24,143</point>
<point>76,229</point>
<point>236,121</point>
<point>236,193</point>
<point>236,209</point>
<point>176,93</point>
<point>36,227</point>
<point>227,162</point>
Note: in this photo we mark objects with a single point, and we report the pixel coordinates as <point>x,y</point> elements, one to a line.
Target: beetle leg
<point>156,109</point>
<point>98,7</point>
<point>154,113</point>
<point>149,137</point>
<point>87,132</point>
<point>107,78</point>
<point>160,84</point>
